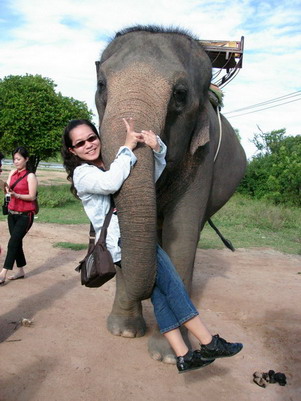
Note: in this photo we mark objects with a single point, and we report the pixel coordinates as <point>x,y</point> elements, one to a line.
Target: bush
<point>55,196</point>
<point>275,174</point>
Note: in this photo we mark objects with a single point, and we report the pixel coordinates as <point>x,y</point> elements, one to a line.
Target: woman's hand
<point>147,137</point>
<point>150,139</point>
<point>132,137</point>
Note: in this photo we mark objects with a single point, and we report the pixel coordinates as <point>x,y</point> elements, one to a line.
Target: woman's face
<point>85,143</point>
<point>20,161</point>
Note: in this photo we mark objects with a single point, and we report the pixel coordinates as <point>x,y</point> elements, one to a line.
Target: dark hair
<point>1,156</point>
<point>70,160</point>
<point>24,153</point>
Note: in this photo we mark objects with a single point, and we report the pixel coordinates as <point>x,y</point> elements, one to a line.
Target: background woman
<point>2,183</point>
<point>22,188</point>
<point>93,185</point>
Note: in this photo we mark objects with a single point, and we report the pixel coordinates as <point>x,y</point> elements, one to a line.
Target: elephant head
<point>161,79</point>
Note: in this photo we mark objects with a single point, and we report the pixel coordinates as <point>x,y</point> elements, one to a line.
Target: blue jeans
<point>172,305</point>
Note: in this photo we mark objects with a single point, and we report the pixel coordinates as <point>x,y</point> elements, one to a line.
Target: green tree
<point>268,142</point>
<point>275,173</point>
<point>33,115</point>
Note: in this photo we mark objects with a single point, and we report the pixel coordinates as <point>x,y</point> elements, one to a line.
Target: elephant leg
<point>159,348</point>
<point>126,318</point>
<point>183,220</point>
<point>183,256</point>
<point>171,305</point>
<point>180,237</point>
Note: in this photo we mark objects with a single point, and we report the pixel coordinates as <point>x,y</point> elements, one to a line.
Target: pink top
<point>20,205</point>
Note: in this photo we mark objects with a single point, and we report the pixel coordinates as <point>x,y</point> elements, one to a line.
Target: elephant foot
<point>125,319</point>
<point>126,326</point>
<point>160,350</point>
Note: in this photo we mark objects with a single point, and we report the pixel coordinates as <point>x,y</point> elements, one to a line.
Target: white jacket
<point>95,186</point>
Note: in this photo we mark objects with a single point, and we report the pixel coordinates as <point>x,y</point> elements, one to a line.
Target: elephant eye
<point>101,85</point>
<point>180,96</point>
<point>101,94</point>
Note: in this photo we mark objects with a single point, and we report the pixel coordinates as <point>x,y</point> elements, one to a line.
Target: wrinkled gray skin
<point>161,80</point>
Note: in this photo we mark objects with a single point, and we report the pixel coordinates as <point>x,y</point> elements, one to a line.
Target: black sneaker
<point>191,361</point>
<point>219,348</point>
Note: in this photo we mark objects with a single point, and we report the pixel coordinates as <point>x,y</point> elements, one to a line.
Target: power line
<point>277,99</point>
<point>266,108</point>
<point>267,102</point>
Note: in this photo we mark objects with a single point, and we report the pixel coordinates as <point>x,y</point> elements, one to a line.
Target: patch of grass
<point>71,213</point>
<point>58,205</point>
<point>255,223</point>
<point>52,196</point>
<point>70,245</point>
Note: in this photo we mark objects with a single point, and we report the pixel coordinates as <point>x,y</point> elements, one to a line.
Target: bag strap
<point>18,180</point>
<point>103,233</point>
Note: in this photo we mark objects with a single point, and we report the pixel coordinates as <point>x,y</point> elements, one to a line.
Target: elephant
<point>161,77</point>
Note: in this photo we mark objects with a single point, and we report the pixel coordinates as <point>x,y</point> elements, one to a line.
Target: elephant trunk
<point>136,201</point>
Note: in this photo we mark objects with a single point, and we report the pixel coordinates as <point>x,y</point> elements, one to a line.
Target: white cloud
<point>61,39</point>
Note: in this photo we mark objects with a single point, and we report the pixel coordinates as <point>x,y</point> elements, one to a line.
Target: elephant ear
<point>201,134</point>
<point>97,63</point>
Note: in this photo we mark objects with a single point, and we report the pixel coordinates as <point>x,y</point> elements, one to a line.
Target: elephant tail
<point>227,242</point>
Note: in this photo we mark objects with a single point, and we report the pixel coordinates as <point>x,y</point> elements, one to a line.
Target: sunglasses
<point>80,144</point>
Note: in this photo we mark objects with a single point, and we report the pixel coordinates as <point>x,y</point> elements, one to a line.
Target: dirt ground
<point>252,296</point>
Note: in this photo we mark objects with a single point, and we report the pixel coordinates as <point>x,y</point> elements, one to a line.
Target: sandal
<point>15,277</point>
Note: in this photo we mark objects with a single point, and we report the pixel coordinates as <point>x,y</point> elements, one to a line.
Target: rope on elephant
<point>220,133</point>
<point>216,99</point>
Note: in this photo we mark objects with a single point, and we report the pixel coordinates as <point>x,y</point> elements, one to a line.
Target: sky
<point>62,39</point>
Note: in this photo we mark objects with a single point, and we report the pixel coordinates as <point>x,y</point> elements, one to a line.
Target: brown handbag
<point>97,267</point>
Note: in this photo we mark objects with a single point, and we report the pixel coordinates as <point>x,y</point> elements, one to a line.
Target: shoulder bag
<point>97,267</point>
<point>36,205</point>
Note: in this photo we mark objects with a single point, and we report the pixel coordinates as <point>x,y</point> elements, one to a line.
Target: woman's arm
<point>159,149</point>
<point>90,179</point>
<point>160,162</point>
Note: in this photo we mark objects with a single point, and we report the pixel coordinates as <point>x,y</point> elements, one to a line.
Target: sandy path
<point>251,296</point>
